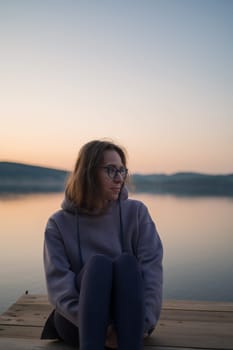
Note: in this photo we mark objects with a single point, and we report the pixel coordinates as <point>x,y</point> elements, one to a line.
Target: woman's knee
<point>97,268</point>
<point>127,276</point>
<point>99,259</point>
<point>126,261</point>
<point>99,262</point>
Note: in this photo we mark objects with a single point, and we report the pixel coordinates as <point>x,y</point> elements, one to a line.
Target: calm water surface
<point>197,235</point>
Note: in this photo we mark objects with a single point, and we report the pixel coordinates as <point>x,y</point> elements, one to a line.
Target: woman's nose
<point>118,177</point>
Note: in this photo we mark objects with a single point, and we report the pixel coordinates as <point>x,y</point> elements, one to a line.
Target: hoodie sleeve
<point>149,254</point>
<point>61,281</point>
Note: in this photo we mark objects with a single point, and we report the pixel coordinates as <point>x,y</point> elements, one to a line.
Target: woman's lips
<point>115,189</point>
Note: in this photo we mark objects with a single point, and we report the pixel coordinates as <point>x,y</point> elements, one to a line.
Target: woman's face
<point>110,180</point>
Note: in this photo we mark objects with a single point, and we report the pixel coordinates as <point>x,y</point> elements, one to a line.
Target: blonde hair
<point>82,185</point>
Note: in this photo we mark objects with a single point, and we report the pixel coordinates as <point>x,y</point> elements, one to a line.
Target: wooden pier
<point>185,325</point>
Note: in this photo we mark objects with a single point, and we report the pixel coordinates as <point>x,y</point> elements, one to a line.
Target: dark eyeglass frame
<point>113,171</point>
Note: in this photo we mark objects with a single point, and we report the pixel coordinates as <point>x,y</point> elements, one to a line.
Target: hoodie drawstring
<point>78,237</point>
<point>121,228</point>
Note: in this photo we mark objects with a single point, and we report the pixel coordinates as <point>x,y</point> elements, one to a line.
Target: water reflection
<point>22,222</point>
<point>197,235</point>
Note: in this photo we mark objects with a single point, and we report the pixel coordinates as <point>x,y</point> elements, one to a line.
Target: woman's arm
<point>150,254</point>
<point>61,281</point>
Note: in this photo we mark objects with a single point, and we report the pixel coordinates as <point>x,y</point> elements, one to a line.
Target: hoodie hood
<point>69,206</point>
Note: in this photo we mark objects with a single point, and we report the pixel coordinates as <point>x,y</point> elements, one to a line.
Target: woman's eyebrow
<point>114,165</point>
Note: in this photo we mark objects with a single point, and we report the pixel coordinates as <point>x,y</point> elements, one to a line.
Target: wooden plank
<point>190,327</point>
<point>193,334</point>
<point>33,299</point>
<point>26,315</point>
<point>35,315</point>
<point>198,316</point>
<point>7,331</point>
<point>33,310</point>
<point>198,305</point>
<point>169,334</point>
<point>27,344</point>
<point>167,304</point>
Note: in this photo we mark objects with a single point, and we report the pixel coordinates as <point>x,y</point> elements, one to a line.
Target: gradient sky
<point>154,75</point>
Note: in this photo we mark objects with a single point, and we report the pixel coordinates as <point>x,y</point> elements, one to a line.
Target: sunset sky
<point>155,76</point>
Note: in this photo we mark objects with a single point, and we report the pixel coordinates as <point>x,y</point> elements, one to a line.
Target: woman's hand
<point>111,338</point>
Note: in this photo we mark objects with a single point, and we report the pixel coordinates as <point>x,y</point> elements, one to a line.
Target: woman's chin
<point>114,197</point>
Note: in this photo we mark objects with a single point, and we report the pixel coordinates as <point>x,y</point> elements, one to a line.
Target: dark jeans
<point>111,291</point>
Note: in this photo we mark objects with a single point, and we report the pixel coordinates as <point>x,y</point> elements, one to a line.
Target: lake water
<point>197,235</point>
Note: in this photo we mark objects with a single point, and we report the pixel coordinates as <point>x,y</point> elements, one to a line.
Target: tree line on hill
<point>23,178</point>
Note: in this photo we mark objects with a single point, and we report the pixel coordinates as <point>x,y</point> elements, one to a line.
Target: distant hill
<point>185,184</point>
<point>17,177</point>
<point>21,178</point>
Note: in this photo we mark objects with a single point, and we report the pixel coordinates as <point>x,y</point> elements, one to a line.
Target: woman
<point>102,257</point>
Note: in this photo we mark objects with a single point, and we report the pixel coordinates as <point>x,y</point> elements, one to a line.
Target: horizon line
<point>133,173</point>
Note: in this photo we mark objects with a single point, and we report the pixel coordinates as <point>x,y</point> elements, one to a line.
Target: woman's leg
<point>128,303</point>
<point>66,330</point>
<point>94,303</point>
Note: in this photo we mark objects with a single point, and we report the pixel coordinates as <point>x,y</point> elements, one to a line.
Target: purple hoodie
<point>71,239</point>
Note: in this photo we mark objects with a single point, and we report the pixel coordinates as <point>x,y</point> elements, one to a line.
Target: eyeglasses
<point>113,171</point>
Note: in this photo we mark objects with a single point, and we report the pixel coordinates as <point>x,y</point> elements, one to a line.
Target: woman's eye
<point>112,170</point>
